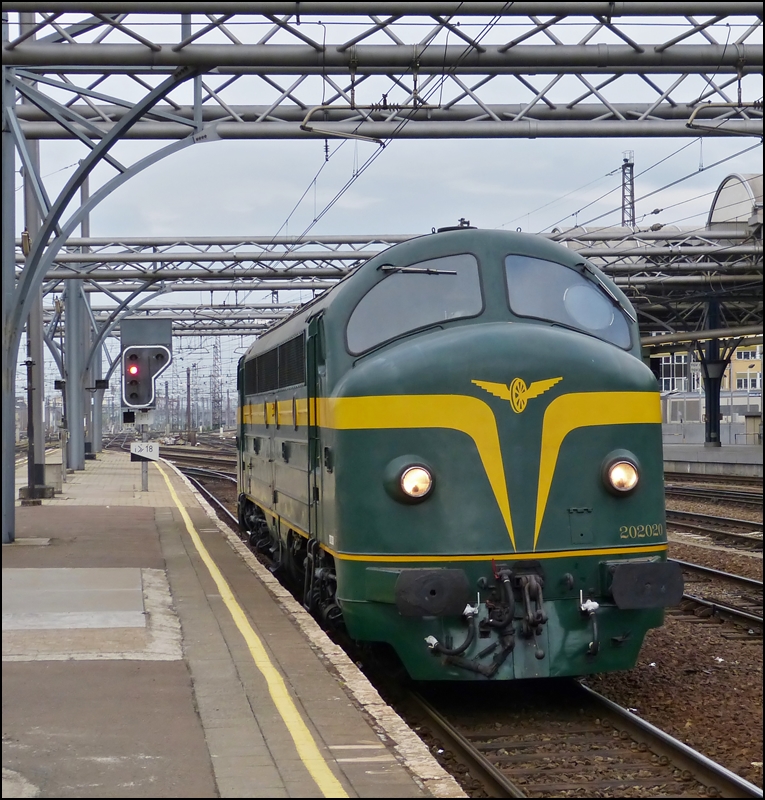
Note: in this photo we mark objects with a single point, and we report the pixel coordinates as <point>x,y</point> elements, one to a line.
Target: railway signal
<point>141,366</point>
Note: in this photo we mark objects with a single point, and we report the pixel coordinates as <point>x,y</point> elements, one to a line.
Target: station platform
<point>695,459</point>
<point>147,653</point>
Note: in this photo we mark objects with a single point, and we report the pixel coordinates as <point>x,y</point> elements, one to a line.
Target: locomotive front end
<point>496,473</point>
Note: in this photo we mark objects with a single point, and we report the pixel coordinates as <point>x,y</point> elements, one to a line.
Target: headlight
<point>409,479</point>
<point>416,482</point>
<point>623,476</point>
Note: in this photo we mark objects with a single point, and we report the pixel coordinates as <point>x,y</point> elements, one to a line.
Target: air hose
<point>470,614</point>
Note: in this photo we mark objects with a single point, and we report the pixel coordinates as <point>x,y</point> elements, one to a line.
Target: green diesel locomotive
<point>457,451</point>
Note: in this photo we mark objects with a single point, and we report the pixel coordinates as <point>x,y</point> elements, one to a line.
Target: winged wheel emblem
<point>517,392</point>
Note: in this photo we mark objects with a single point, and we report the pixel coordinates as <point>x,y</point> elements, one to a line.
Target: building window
<point>749,355</point>
<point>674,373</point>
<point>748,381</point>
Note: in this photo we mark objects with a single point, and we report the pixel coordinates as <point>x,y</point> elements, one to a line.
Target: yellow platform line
<point>304,742</point>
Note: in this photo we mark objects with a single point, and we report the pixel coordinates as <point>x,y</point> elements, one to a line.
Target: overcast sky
<point>250,187</point>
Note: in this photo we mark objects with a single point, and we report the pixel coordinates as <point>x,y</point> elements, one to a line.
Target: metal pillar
<point>712,370</point>
<point>10,354</point>
<point>79,375</point>
<point>144,463</point>
<point>35,336</point>
<point>96,369</point>
<point>28,494</point>
<point>64,430</point>
<point>87,336</point>
<point>74,387</point>
<point>35,341</point>
<point>628,189</point>
<point>188,402</point>
<point>87,377</point>
<point>35,398</point>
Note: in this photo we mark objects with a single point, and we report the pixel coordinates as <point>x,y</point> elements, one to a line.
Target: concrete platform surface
<point>737,459</point>
<point>727,454</point>
<point>147,653</point>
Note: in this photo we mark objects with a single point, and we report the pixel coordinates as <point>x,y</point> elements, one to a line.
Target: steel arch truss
<point>384,70</point>
<point>209,259</point>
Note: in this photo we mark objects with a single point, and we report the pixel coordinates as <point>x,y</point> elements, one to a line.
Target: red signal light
<point>133,369</point>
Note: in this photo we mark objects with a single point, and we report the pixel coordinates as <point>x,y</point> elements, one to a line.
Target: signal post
<point>146,354</point>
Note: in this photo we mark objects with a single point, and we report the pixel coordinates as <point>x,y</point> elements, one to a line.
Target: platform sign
<point>144,451</point>
<point>144,417</point>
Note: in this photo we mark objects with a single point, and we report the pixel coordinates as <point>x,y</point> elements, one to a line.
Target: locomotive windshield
<point>413,297</point>
<point>553,292</point>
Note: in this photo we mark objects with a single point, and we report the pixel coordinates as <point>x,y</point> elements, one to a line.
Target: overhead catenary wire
<point>401,125</point>
<point>358,171</point>
<point>558,199</point>
<point>55,171</point>
<point>675,182</point>
<point>611,191</point>
<point>682,203</point>
<point>679,150</point>
<point>691,216</point>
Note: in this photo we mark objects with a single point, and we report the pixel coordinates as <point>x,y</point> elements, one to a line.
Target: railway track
<point>721,594</point>
<point>209,473</point>
<point>725,529</point>
<point>715,494</point>
<point>195,474</point>
<point>198,455</point>
<point>726,480</point>
<point>561,739</point>
<point>119,441</point>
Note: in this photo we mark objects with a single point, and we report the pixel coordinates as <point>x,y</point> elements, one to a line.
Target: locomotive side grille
<point>268,371</point>
<point>250,376</point>
<point>275,369</point>
<point>291,362</point>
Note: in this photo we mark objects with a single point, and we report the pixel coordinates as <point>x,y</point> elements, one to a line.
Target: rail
<point>714,494</point>
<point>208,495</point>
<point>721,608</point>
<point>698,523</point>
<point>491,758</point>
